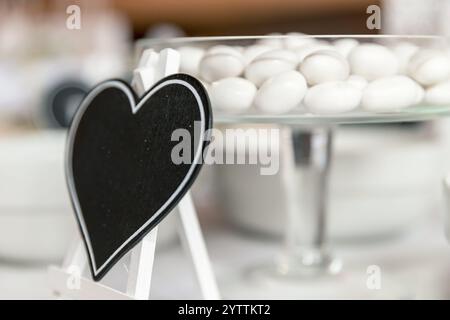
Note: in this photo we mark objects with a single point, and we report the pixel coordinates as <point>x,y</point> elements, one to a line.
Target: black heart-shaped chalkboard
<point>119,165</point>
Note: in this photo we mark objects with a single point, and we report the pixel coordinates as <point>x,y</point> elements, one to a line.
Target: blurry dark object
<point>62,102</point>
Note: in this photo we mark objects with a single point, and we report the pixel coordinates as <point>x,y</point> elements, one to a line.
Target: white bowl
<point>36,216</point>
<point>382,181</point>
<point>36,222</point>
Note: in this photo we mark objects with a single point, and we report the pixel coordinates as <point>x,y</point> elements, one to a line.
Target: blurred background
<point>395,218</point>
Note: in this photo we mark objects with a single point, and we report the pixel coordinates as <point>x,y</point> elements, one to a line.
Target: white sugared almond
<point>269,64</point>
<point>323,66</point>
<point>373,61</point>
<point>345,46</point>
<point>221,62</point>
<point>429,66</point>
<point>438,94</point>
<point>332,97</point>
<point>251,52</point>
<point>232,94</point>
<point>281,93</point>
<point>404,52</point>
<point>391,93</point>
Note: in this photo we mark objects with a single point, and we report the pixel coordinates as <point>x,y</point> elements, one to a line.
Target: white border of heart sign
<point>135,108</point>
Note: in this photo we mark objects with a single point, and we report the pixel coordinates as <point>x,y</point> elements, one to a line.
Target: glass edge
<point>148,41</point>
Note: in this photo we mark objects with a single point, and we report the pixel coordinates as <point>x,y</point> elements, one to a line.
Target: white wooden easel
<point>152,67</point>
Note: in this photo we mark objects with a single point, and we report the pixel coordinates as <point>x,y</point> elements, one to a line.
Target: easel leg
<point>76,257</point>
<point>192,240</point>
<point>141,267</point>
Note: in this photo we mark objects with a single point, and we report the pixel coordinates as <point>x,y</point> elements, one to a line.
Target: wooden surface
<point>233,17</point>
<point>237,16</point>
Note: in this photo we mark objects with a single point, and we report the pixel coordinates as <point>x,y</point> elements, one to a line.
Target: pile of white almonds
<point>276,75</point>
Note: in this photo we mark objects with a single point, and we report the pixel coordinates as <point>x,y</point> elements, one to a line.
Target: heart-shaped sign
<point>120,166</point>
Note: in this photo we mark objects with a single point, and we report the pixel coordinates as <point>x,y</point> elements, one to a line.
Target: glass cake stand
<point>306,149</point>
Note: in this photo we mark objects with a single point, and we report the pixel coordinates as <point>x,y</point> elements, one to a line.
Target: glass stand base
<point>264,281</point>
<point>301,270</point>
<point>314,263</point>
